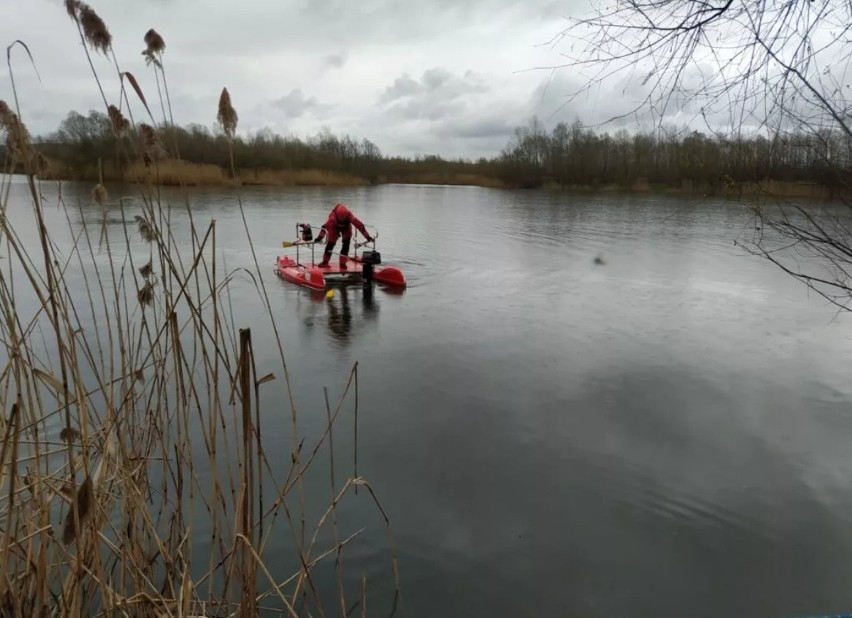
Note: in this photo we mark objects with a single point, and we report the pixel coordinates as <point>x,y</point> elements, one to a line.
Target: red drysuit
<point>339,224</point>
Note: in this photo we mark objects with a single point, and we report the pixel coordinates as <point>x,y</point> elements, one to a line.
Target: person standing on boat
<point>339,225</point>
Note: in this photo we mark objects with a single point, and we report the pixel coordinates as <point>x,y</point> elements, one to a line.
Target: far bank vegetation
<point>568,157</point>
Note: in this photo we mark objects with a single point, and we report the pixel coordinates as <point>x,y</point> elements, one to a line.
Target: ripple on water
<point>642,494</point>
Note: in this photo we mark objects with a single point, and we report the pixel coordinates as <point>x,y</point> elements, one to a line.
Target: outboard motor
<point>369,259</point>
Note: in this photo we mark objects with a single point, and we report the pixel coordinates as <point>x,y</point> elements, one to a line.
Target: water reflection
<point>349,309</point>
<point>340,315</point>
<point>371,309</point>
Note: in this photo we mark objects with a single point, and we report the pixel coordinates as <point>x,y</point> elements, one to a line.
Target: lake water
<point>663,433</point>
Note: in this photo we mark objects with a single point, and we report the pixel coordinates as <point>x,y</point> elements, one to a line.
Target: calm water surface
<point>666,433</point>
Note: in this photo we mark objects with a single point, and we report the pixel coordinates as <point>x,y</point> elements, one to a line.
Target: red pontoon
<point>363,267</point>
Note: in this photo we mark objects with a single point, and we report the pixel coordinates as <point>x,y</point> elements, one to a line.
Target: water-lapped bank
<point>179,173</point>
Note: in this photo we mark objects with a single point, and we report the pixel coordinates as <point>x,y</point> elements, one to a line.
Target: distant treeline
<point>81,141</point>
<point>569,156</point>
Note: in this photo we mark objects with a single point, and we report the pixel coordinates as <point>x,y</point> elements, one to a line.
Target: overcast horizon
<point>431,78</point>
<point>435,77</point>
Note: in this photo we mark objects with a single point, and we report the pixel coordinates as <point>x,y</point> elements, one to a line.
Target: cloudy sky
<point>449,77</point>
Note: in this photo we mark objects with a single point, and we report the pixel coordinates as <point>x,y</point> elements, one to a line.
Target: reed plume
<point>94,28</point>
<point>153,53</point>
<point>82,505</point>
<point>152,149</point>
<point>40,163</point>
<point>146,229</point>
<point>154,48</point>
<point>7,118</point>
<point>17,137</point>
<point>93,31</point>
<point>154,42</point>
<point>146,270</point>
<point>100,195</point>
<point>146,294</point>
<point>69,434</point>
<point>149,135</point>
<point>119,123</point>
<point>227,115</point>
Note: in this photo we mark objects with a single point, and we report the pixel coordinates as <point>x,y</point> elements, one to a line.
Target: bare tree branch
<point>775,68</point>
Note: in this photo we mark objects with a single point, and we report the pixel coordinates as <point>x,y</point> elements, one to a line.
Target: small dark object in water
<point>599,260</point>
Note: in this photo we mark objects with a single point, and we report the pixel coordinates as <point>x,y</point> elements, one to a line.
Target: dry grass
<point>183,173</point>
<point>781,189</point>
<point>300,178</point>
<point>172,172</point>
<point>437,178</point>
<point>134,477</point>
<point>180,173</point>
<point>478,181</point>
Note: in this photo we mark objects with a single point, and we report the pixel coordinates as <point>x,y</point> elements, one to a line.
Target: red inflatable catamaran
<point>363,267</point>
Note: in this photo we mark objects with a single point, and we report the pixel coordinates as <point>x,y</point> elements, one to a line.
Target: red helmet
<point>341,214</point>
<point>340,211</point>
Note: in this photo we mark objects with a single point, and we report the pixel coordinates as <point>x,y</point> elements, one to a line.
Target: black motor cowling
<point>371,257</point>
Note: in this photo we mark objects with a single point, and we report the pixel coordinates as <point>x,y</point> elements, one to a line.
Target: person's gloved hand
<point>369,239</point>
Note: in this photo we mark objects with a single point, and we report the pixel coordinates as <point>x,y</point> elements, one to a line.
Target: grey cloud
<point>485,128</point>
<point>437,94</point>
<point>482,131</point>
<point>281,61</point>
<point>480,127</point>
<point>631,101</point>
<point>295,103</point>
<point>415,142</point>
<point>316,26</point>
<point>448,11</point>
<point>424,109</point>
<point>402,87</point>
<point>561,98</point>
<point>435,78</point>
<point>336,61</point>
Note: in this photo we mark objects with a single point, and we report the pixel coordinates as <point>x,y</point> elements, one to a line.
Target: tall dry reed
<point>134,477</point>
<point>228,118</point>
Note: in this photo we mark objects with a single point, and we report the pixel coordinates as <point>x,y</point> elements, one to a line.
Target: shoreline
<point>199,175</point>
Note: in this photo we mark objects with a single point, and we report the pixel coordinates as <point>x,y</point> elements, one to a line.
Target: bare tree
<point>775,68</point>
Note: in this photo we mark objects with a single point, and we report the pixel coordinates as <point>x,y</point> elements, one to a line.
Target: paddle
<point>293,243</point>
